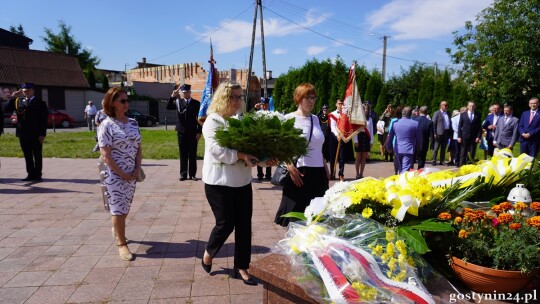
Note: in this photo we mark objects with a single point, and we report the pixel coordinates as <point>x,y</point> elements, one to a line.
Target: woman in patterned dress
<point>119,141</point>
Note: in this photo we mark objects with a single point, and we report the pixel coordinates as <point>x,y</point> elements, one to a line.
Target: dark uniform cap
<point>325,106</point>
<point>27,85</point>
<point>185,87</point>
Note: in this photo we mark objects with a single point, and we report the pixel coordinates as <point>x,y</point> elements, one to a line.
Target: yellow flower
<point>411,262</point>
<point>390,249</point>
<point>390,235</point>
<point>384,257</point>
<point>367,212</point>
<point>400,277</point>
<point>392,264</point>
<point>402,248</point>
<point>462,234</point>
<point>520,206</point>
<point>378,250</point>
<point>367,293</point>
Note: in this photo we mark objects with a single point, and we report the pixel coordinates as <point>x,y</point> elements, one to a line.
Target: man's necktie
<point>532,116</point>
<point>470,116</point>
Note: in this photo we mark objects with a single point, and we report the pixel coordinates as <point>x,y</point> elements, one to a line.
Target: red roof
<point>41,68</point>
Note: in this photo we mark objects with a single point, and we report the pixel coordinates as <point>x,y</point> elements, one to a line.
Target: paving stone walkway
<point>56,244</point>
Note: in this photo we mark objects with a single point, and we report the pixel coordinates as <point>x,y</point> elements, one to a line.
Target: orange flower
<point>458,219</point>
<point>534,221</point>
<point>505,218</point>
<point>535,206</point>
<point>520,206</point>
<point>515,226</point>
<point>444,216</point>
<point>462,234</point>
<point>505,206</point>
<point>497,209</point>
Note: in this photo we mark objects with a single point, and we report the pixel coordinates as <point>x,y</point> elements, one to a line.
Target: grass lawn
<point>157,144</point>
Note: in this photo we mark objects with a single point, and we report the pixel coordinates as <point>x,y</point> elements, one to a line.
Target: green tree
<point>383,100</point>
<point>19,30</point>
<point>425,96</point>
<point>105,83</point>
<point>374,87</point>
<point>500,54</point>
<point>64,42</point>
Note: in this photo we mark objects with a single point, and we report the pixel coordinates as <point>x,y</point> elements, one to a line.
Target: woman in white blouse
<point>310,174</point>
<point>227,184</point>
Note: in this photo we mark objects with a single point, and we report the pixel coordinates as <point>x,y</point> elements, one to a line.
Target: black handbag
<point>281,176</point>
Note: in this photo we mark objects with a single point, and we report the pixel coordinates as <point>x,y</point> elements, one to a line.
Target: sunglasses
<point>237,97</point>
<point>123,101</point>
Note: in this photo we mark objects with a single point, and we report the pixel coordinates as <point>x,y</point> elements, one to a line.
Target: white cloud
<point>315,50</point>
<point>424,19</point>
<point>234,35</point>
<point>279,51</point>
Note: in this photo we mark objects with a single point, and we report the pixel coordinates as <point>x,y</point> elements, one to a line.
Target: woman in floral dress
<point>119,141</point>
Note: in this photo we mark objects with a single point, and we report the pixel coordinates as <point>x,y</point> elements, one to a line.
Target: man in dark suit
<point>426,129</point>
<point>188,129</point>
<point>469,132</point>
<point>506,133</point>
<point>408,140</point>
<point>32,115</point>
<point>529,129</point>
<point>490,124</point>
<point>442,131</point>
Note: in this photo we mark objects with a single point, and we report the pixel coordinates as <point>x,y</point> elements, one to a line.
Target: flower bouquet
<point>264,134</point>
<point>357,260</point>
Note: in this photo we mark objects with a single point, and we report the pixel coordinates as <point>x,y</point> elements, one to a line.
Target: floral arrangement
<point>505,237</point>
<point>411,202</point>
<point>264,134</point>
<point>357,260</point>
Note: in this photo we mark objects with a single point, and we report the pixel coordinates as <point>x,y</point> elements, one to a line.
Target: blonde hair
<point>222,98</point>
<point>302,90</point>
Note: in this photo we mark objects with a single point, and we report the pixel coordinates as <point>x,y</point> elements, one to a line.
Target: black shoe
<point>434,163</point>
<point>28,178</point>
<point>259,178</point>
<point>450,163</point>
<point>183,178</point>
<point>249,281</point>
<point>268,178</point>
<point>206,267</point>
<point>193,178</point>
<point>37,179</point>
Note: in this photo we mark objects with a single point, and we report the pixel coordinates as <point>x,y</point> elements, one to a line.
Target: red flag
<point>352,116</point>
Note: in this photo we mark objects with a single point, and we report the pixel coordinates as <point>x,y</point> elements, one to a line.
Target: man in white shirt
<point>333,146</point>
<point>90,115</point>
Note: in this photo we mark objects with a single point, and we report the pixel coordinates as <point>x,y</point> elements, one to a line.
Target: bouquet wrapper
<point>351,261</point>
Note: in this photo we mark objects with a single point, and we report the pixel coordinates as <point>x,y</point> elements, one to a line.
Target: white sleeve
<point>222,154</point>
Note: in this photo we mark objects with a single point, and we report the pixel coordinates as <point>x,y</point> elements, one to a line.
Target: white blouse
<point>221,165</point>
<point>314,158</point>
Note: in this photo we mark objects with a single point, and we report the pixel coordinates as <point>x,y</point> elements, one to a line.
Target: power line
<point>351,45</point>
<point>203,37</point>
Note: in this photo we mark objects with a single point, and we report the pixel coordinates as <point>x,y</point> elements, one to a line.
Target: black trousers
<point>187,144</point>
<point>32,150</point>
<point>468,147</point>
<point>232,208</point>
<point>421,156</point>
<point>440,144</point>
<point>333,145</point>
<point>260,172</point>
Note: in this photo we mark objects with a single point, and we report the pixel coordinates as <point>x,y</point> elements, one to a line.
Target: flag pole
<point>336,159</point>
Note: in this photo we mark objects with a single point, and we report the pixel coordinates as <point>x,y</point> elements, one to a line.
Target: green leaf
<point>413,238</point>
<point>298,215</point>
<point>432,225</point>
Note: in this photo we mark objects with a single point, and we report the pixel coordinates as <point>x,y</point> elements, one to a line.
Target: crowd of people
<point>405,135</point>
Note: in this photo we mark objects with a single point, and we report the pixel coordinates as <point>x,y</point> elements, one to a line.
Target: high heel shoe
<point>206,267</point>
<point>249,281</point>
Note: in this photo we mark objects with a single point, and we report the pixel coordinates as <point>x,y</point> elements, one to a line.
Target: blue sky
<point>122,32</point>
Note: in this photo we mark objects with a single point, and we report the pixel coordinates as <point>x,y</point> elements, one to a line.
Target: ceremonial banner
<point>352,116</point>
<point>212,81</point>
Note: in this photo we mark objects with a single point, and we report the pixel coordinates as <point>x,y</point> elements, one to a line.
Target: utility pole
<point>258,5</point>
<point>385,38</point>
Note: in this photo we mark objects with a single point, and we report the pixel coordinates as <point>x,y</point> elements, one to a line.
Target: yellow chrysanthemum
<point>411,262</point>
<point>400,277</point>
<point>390,249</point>
<point>401,247</point>
<point>378,250</point>
<point>367,293</point>
<point>392,264</point>
<point>367,212</point>
<point>390,235</point>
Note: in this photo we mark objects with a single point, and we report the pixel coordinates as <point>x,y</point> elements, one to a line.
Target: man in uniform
<point>188,129</point>
<point>32,114</point>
